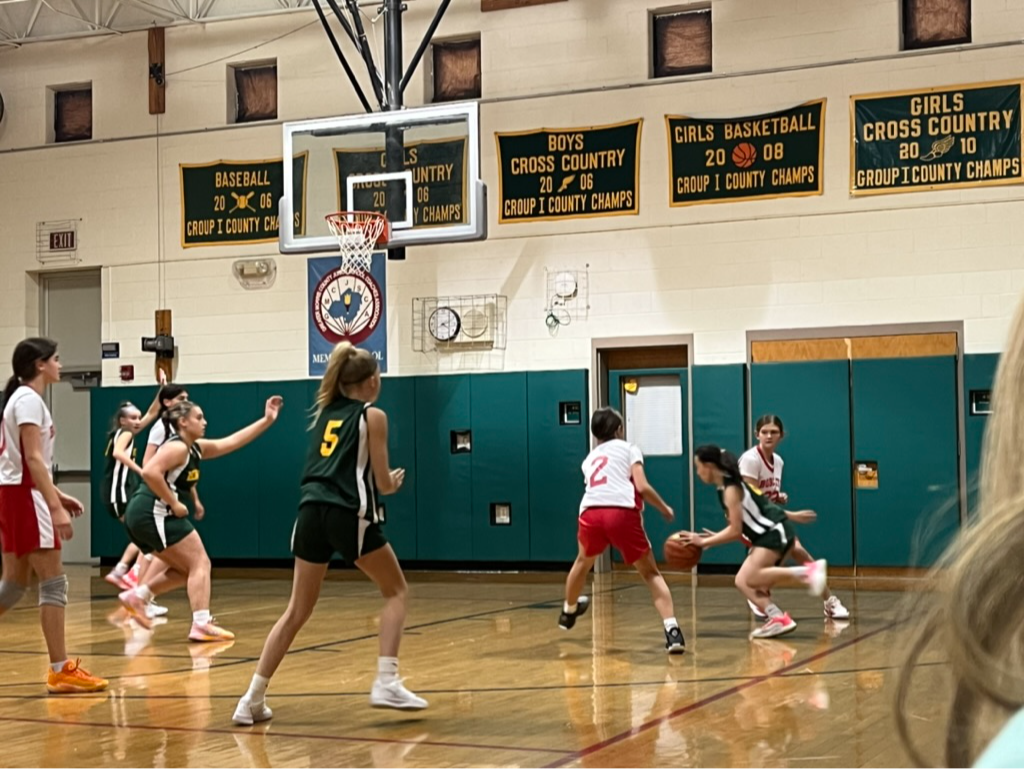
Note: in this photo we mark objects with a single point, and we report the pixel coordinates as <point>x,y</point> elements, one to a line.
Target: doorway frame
<point>599,348</point>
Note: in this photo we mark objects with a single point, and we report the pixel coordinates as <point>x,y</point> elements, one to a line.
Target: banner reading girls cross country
<point>346,307</point>
<point>937,138</point>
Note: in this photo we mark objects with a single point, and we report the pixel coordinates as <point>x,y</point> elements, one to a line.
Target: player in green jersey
<point>346,468</point>
<point>157,519</point>
<point>121,475</point>
<point>763,527</point>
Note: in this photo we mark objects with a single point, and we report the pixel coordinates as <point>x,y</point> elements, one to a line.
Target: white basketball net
<point>358,234</point>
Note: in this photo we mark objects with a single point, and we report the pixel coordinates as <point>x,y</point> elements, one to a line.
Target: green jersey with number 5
<point>337,470</point>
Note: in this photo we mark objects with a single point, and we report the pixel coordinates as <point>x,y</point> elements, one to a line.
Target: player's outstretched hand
<point>274,405</point>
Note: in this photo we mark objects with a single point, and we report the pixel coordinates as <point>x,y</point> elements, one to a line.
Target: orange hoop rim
<point>343,222</point>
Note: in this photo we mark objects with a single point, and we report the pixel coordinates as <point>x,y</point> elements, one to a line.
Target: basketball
<point>680,555</point>
<point>744,154</point>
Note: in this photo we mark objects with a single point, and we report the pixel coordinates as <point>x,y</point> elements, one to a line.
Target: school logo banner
<point>934,139</point>
<point>746,158</point>
<point>346,307</point>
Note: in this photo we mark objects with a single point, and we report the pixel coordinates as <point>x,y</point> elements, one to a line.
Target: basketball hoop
<point>359,233</point>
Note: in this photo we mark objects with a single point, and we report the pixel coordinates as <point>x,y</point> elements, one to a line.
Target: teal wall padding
<point>719,417</point>
<point>904,418</point>
<point>444,480</point>
<point>500,462</point>
<point>555,454</point>
<point>398,400</point>
<point>813,400</point>
<point>979,374</point>
<point>279,464</point>
<point>520,454</point>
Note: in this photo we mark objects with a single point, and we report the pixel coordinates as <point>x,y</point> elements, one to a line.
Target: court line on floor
<point>291,735</point>
<point>495,689</point>
<point>322,646</point>
<point>725,693</point>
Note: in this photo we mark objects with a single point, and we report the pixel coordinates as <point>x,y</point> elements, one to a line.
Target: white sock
<point>148,557</point>
<point>201,617</point>
<point>258,688</point>
<point>569,608</point>
<point>56,667</point>
<point>773,611</point>
<point>387,669</point>
<point>670,623</point>
<point>121,568</point>
<point>135,569</point>
<point>143,592</point>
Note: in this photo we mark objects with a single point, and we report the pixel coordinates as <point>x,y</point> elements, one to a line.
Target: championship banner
<point>749,158</point>
<point>439,180</point>
<point>346,307</point>
<point>234,202</point>
<point>935,139</point>
<point>569,173</point>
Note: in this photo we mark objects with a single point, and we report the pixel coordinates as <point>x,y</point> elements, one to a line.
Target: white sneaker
<point>247,713</point>
<point>816,576</point>
<point>834,609</point>
<point>394,695</point>
<point>153,609</point>
<point>758,614</point>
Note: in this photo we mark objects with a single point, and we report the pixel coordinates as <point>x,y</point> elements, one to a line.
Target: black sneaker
<point>674,641</point>
<point>566,621</point>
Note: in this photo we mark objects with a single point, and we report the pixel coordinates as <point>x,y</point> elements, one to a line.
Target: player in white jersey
<point>611,513</point>
<point>762,467</point>
<point>34,514</point>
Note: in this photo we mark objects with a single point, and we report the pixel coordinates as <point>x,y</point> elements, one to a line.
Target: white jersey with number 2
<point>608,475</point>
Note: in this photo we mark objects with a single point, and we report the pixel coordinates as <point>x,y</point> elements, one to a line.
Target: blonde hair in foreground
<point>976,619</point>
<point>348,365</point>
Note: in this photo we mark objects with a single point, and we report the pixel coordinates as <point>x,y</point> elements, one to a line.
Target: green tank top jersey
<point>181,479</point>
<point>119,483</point>
<point>337,470</point>
<point>765,524</point>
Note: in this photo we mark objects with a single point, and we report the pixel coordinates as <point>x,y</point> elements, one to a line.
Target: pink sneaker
<point>209,632</point>
<point>131,578</point>
<point>136,606</point>
<point>118,580</point>
<point>775,626</point>
<point>817,576</point>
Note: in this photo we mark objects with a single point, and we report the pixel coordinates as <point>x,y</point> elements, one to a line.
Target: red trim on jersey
<point>767,462</point>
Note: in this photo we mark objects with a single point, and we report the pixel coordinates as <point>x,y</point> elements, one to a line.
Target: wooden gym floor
<point>506,686</point>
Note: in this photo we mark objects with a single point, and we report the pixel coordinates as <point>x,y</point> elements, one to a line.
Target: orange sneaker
<point>73,678</point>
<point>209,632</point>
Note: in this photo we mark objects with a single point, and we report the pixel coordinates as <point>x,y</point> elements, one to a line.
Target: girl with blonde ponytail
<point>346,468</point>
<point>977,618</point>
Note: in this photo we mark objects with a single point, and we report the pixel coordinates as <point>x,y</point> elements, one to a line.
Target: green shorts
<point>779,541</point>
<point>151,526</point>
<point>323,530</point>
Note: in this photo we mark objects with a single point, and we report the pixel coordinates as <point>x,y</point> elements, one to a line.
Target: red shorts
<point>620,527</point>
<point>25,523</point>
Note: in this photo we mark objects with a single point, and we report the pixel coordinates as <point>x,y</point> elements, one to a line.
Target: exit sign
<point>63,240</point>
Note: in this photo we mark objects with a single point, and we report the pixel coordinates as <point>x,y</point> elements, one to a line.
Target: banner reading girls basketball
<point>748,158</point>
<point>346,307</point>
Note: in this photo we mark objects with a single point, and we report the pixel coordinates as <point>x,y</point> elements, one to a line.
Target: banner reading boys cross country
<point>749,158</point>
<point>232,202</point>
<point>940,138</point>
<point>569,173</point>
